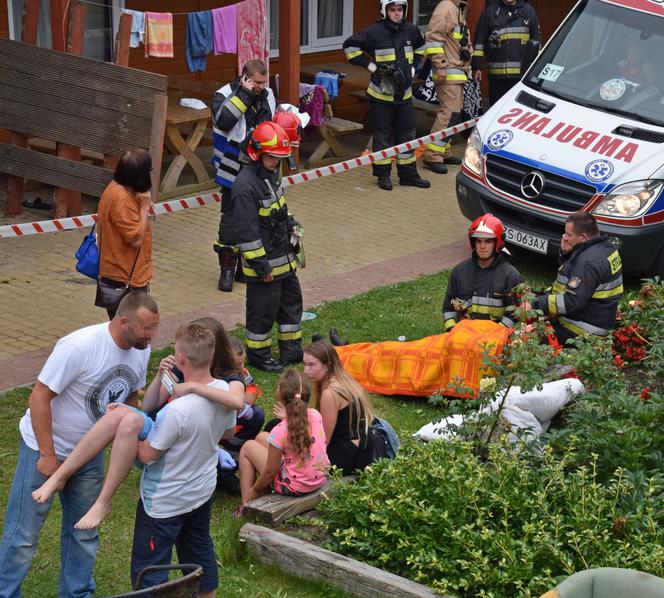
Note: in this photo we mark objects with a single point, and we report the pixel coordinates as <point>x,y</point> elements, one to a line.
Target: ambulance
<point>583,130</point>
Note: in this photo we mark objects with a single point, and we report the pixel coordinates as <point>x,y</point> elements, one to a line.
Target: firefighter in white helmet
<point>390,49</point>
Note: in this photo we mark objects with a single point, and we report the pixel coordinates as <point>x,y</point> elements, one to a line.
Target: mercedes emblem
<point>532,185</point>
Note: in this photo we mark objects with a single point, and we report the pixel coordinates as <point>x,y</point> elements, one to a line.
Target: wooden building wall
<point>4,19</point>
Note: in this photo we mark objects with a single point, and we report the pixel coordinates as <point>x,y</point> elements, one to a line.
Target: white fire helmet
<point>384,4</point>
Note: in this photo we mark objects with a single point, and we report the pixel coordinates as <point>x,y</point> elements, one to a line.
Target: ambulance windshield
<point>606,57</point>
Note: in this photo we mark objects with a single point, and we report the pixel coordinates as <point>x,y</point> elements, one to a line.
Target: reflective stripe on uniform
<point>352,52</point>
<point>610,289</point>
<point>289,332</point>
<point>421,50</point>
<point>449,324</point>
<point>478,53</point>
<point>374,92</point>
<point>407,158</point>
<point>273,207</point>
<point>437,147</point>
<point>386,55</point>
<point>582,328</point>
<point>504,68</point>
<point>454,74</point>
<point>506,321</point>
<point>495,312</point>
<point>257,341</point>
<point>434,47</point>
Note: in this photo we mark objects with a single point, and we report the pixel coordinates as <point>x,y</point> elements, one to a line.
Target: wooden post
<point>68,201</point>
<point>28,35</point>
<point>289,55</point>
<point>157,140</point>
<point>122,58</point>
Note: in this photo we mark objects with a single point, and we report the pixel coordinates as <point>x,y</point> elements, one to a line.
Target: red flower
<point>645,393</point>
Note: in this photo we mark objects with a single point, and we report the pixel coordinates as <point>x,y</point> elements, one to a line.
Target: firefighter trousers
<point>450,98</point>
<point>499,86</point>
<point>393,124</point>
<point>278,301</point>
<point>226,235</point>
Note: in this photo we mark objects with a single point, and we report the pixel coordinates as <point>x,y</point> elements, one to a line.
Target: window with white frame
<point>101,23</point>
<point>324,24</point>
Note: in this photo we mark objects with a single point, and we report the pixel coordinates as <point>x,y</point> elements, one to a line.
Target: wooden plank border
<point>309,561</point>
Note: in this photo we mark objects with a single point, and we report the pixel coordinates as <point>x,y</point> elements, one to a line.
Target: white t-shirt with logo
<point>184,478</point>
<point>87,370</point>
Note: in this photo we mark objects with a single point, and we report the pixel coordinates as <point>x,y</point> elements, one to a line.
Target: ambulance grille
<point>559,192</point>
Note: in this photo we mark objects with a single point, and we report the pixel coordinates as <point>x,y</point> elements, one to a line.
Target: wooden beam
<point>274,509</point>
<point>28,35</point>
<point>68,201</point>
<point>157,140</point>
<point>309,561</point>
<point>289,56</point>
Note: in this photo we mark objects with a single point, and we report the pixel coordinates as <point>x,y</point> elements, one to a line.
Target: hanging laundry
<point>199,39</point>
<point>313,104</point>
<point>330,81</point>
<point>137,27</point>
<point>225,29</point>
<point>252,32</point>
<point>159,34</point>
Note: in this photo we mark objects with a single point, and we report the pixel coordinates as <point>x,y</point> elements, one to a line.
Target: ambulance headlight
<point>473,156</point>
<point>631,199</point>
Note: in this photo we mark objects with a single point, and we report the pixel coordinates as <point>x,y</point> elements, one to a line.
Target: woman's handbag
<point>87,256</point>
<point>110,292</point>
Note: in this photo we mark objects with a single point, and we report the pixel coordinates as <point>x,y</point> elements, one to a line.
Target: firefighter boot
<point>227,260</point>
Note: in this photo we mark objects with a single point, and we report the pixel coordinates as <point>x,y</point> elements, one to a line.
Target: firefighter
<point>504,31</point>
<point>388,49</point>
<point>479,287</point>
<point>450,52</point>
<point>268,242</point>
<point>237,108</point>
<point>585,295</point>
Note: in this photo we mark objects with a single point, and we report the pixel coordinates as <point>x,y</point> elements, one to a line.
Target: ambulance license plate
<point>517,237</point>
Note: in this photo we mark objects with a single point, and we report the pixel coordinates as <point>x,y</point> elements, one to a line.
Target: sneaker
<point>317,336</point>
<point>437,167</point>
<point>416,182</point>
<point>453,161</point>
<point>269,365</point>
<point>385,183</point>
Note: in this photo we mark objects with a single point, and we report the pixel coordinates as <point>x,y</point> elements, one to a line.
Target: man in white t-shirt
<point>180,476</point>
<point>87,369</point>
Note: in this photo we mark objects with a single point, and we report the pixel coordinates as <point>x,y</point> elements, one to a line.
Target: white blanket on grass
<point>524,413</point>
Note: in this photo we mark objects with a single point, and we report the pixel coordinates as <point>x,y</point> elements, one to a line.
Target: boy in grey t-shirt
<point>181,468</point>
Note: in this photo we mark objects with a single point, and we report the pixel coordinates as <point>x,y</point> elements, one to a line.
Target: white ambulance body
<point>584,129</point>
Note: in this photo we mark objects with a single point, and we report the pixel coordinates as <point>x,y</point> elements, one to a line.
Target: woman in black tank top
<point>343,405</point>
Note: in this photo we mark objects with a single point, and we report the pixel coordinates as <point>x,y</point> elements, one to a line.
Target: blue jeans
<point>24,519</point>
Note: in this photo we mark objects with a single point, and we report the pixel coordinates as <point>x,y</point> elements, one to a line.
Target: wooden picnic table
<point>184,148</point>
<point>356,76</point>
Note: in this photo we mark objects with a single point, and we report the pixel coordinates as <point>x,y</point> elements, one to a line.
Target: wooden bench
<point>331,130</point>
<point>420,105</point>
<point>274,509</point>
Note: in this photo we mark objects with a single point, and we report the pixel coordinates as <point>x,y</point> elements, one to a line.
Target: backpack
<point>382,441</point>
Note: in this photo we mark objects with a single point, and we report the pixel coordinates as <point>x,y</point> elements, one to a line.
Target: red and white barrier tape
<point>176,205</point>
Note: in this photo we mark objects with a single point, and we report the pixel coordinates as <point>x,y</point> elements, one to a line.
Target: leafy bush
<point>508,526</point>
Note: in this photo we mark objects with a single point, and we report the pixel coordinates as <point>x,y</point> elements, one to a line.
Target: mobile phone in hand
<point>168,381</point>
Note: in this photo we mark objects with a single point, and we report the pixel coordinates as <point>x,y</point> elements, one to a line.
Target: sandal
<point>239,511</point>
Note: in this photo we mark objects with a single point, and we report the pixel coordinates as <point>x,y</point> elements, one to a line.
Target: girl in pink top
<point>292,459</point>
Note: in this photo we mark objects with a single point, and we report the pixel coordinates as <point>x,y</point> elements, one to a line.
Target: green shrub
<point>508,526</point>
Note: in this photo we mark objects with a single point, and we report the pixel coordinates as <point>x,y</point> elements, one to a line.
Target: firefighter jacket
<point>391,51</point>
<point>584,298</point>
<point>447,40</point>
<point>263,225</point>
<point>501,36</point>
<point>480,293</point>
<point>236,112</point>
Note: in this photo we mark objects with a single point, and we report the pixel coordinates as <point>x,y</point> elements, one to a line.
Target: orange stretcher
<point>434,363</point>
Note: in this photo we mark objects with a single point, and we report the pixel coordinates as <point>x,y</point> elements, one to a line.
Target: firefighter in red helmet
<point>268,243</point>
<point>480,286</point>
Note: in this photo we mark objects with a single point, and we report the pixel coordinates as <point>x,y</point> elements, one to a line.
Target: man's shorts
<point>147,422</point>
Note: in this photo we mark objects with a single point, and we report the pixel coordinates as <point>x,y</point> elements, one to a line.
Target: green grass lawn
<point>410,309</point>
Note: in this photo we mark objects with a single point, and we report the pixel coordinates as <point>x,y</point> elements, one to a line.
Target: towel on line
<point>137,27</point>
<point>159,34</point>
<point>225,29</point>
<point>199,39</point>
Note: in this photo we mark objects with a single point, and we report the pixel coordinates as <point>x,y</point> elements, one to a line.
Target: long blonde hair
<point>340,381</point>
<point>293,390</point>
